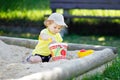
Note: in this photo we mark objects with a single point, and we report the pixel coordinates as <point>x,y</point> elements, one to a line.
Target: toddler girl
<point>49,35</point>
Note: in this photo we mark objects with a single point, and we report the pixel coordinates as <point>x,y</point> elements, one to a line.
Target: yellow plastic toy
<point>83,53</point>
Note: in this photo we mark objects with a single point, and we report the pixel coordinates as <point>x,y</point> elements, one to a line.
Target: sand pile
<point>12,65</point>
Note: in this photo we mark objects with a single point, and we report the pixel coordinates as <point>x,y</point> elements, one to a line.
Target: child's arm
<point>44,36</point>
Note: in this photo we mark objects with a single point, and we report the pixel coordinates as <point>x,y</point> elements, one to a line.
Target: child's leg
<point>34,59</point>
<point>38,58</point>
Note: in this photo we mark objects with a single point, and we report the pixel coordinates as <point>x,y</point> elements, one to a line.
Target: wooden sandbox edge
<point>30,43</point>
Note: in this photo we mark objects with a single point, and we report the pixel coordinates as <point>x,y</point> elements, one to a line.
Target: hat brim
<point>61,23</point>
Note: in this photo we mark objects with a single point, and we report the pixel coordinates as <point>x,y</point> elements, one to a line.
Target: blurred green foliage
<point>23,5</point>
<point>36,9</point>
<point>24,9</point>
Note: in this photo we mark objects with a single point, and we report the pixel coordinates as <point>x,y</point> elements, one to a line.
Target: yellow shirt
<point>42,47</point>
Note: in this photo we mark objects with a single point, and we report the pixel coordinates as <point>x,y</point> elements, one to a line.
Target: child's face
<point>54,28</point>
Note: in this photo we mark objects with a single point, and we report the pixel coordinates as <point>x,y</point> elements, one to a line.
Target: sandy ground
<point>12,65</point>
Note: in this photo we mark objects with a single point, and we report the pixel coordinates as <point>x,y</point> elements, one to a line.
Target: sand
<point>12,65</point>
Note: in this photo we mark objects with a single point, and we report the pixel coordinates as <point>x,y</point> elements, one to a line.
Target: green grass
<point>96,40</point>
<point>111,72</point>
<point>21,35</point>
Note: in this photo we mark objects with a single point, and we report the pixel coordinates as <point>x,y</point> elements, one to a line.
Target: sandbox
<point>13,52</point>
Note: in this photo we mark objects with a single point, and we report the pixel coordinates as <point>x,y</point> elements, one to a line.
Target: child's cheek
<point>52,29</point>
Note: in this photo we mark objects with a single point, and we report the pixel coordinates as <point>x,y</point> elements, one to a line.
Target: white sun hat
<point>58,19</point>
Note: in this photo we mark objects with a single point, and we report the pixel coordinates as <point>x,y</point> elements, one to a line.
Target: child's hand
<point>53,39</point>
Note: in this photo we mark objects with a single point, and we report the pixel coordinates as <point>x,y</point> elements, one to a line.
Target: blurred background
<point>24,18</point>
<point>21,16</point>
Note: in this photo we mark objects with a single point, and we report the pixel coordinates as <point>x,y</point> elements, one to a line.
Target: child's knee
<point>35,59</point>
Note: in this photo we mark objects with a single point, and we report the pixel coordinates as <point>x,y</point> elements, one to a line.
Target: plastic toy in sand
<point>83,52</point>
<point>58,51</point>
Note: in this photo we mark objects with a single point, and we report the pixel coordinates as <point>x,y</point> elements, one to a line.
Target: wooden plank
<point>85,6</point>
<point>73,46</point>
<point>97,17</point>
<point>88,1</point>
<point>30,43</point>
